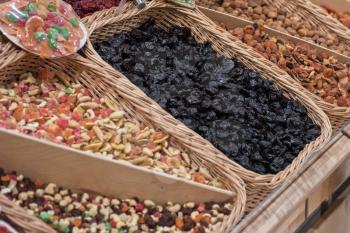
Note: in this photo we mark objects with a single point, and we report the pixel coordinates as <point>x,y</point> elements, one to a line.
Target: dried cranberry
<point>87,7</point>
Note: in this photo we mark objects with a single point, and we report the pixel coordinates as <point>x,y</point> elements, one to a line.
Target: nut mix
<point>226,103</point>
<point>70,212</point>
<point>343,17</point>
<point>320,73</point>
<point>279,19</point>
<point>52,108</point>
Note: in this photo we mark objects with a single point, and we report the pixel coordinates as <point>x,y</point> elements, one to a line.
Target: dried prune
<point>230,105</point>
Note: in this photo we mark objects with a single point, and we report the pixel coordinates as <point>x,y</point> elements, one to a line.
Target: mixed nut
<point>70,212</point>
<point>264,13</point>
<point>53,108</point>
<point>242,114</point>
<point>343,17</point>
<point>320,73</point>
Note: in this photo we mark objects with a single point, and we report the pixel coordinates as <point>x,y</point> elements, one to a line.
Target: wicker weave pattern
<point>85,72</point>
<point>205,30</point>
<point>24,221</point>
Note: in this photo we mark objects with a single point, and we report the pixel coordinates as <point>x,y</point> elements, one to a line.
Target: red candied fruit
<point>139,207</point>
<point>63,123</point>
<point>113,224</point>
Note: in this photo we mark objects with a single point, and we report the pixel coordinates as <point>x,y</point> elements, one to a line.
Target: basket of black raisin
<point>237,105</point>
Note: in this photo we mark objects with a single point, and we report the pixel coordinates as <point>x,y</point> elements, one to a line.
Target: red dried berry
<point>113,224</point>
<point>87,7</point>
<point>63,123</point>
<point>139,207</point>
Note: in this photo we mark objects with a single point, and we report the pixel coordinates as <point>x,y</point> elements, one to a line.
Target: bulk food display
<point>68,211</point>
<point>174,72</point>
<point>219,98</point>
<point>165,121</point>
<point>321,73</point>
<point>297,18</point>
<point>49,106</point>
<point>49,101</point>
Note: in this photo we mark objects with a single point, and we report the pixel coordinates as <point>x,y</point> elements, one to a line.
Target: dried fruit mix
<point>219,98</point>
<point>262,12</point>
<point>52,108</point>
<point>320,73</point>
<point>70,212</point>
<point>48,28</point>
<point>87,7</point>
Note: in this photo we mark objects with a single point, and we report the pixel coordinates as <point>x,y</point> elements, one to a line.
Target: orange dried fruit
<point>141,220</point>
<point>5,178</point>
<point>76,222</point>
<point>38,183</point>
<point>124,207</point>
<point>33,25</point>
<point>18,113</point>
<point>179,223</point>
<point>199,177</point>
<point>198,218</point>
<point>45,75</point>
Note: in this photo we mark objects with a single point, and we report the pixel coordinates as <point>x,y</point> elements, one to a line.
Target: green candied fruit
<point>39,36</point>
<point>74,21</point>
<point>52,33</point>
<point>107,226</point>
<point>52,7</point>
<point>46,217</point>
<point>57,225</point>
<point>66,229</point>
<point>25,15</point>
<point>52,43</point>
<point>65,33</point>
<point>12,17</point>
<point>62,31</point>
<point>68,90</point>
<point>31,7</point>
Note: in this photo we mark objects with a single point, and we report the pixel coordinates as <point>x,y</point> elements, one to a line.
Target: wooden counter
<point>304,197</point>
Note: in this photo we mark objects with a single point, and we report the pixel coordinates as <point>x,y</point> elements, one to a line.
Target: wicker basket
<point>206,30</point>
<point>23,221</point>
<point>314,14</point>
<point>10,53</point>
<point>92,76</point>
